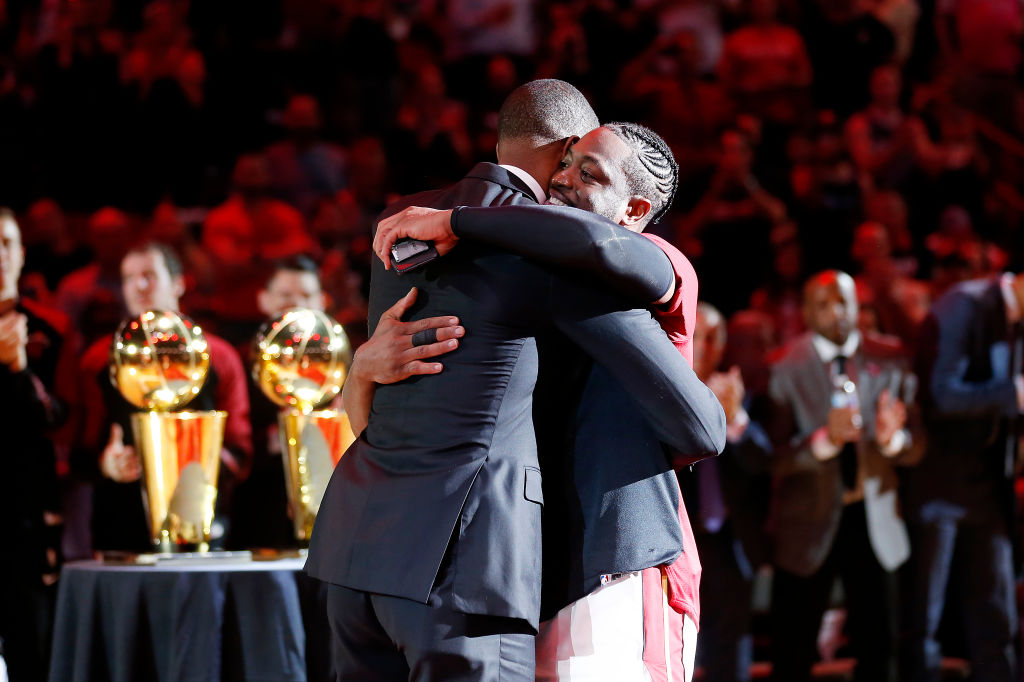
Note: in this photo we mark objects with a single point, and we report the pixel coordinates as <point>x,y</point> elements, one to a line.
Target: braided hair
<point>653,172</point>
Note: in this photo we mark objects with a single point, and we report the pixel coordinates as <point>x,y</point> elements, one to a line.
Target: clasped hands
<point>844,423</point>
<point>728,388</point>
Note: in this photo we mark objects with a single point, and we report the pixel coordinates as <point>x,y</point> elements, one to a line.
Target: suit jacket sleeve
<point>792,446</point>
<point>575,239</point>
<point>632,346</point>
<point>952,392</point>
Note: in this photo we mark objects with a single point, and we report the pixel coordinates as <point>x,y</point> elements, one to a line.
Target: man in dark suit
<point>960,499</point>
<point>604,511</point>
<point>728,499</point>
<point>840,422</point>
<point>431,524</point>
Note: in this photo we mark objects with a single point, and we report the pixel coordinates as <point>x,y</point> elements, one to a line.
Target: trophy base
<point>271,554</point>
<point>172,558</point>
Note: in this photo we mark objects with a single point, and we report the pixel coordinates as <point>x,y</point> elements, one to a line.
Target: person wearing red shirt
<point>151,279</point>
<point>765,66</point>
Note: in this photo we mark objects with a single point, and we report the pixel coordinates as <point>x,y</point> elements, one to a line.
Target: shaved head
<point>830,305</point>
<point>545,111</point>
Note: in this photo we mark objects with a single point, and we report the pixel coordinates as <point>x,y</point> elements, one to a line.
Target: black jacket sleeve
<point>684,412</point>
<point>567,237</point>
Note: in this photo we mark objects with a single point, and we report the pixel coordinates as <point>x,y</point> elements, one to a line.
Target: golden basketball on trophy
<point>302,359</point>
<point>159,362</point>
<point>301,362</point>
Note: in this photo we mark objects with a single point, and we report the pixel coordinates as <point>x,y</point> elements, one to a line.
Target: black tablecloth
<point>260,620</point>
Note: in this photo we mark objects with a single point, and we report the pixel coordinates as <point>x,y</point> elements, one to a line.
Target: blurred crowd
<point>881,137</point>
<point>228,158</point>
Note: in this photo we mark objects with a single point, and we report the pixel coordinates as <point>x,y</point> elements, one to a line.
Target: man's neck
<point>536,159</point>
<point>529,180</point>
<point>828,349</point>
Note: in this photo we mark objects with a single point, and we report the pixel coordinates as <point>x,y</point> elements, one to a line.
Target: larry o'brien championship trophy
<point>301,363</point>
<point>159,362</point>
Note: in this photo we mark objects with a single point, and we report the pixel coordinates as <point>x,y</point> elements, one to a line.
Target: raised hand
<point>416,222</point>
<point>890,417</point>
<point>13,339</point>
<point>119,461</point>
<point>728,388</point>
<point>844,424</point>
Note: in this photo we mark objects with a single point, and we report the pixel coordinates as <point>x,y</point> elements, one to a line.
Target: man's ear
<point>179,286</point>
<point>569,141</point>
<point>263,302</point>
<point>637,209</point>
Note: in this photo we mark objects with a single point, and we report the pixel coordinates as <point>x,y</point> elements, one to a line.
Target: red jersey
<point>678,318</point>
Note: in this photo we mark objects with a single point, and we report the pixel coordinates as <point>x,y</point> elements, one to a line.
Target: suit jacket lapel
<point>860,375</point>
<point>814,382</point>
<point>866,380</point>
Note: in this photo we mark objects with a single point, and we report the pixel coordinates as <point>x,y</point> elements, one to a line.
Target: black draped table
<point>238,620</point>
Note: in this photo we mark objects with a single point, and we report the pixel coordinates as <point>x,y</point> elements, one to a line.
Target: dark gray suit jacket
<point>969,403</point>
<point>611,494</point>
<point>807,496</point>
<point>451,459</point>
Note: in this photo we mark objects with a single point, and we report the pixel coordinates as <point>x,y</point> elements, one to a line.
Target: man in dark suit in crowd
<point>840,422</point>
<point>728,499</point>
<point>31,347</point>
<point>960,500</point>
<point>431,524</point>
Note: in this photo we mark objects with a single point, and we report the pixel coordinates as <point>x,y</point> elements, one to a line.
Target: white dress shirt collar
<point>538,192</point>
<point>829,351</point>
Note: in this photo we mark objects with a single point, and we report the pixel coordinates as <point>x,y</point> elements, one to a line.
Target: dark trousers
<point>798,603</point>
<point>981,552</point>
<point>26,625</point>
<point>378,638</point>
<point>726,648</point>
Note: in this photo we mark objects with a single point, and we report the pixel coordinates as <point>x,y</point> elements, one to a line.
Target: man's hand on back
<point>425,224</point>
<point>396,351</point>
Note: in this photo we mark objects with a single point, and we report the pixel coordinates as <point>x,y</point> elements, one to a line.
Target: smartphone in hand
<point>409,254</point>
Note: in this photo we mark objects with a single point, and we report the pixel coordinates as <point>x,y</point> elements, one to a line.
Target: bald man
<point>417,566</point>
<point>840,423</point>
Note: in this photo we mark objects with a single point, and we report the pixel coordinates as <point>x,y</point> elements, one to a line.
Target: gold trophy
<point>159,362</point>
<point>302,360</point>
